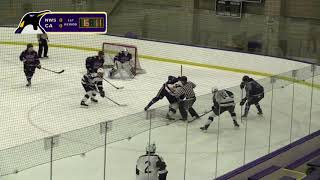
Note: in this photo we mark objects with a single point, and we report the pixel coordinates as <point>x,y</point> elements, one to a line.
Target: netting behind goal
<point>112,49</point>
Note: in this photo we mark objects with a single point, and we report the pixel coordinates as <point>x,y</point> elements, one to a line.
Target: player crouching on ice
<point>166,91</point>
<point>122,62</point>
<point>30,60</point>
<point>254,94</point>
<point>223,100</point>
<point>92,83</point>
<point>151,166</point>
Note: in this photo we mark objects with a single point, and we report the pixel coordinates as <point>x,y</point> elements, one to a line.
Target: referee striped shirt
<point>186,90</point>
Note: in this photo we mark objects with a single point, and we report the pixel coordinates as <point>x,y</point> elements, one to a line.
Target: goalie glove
<point>102,94</point>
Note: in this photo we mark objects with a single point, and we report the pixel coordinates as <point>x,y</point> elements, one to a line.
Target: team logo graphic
<point>30,23</point>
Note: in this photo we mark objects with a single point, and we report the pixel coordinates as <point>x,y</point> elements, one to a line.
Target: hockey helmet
<point>29,45</point>
<point>100,72</point>
<point>151,148</point>
<point>214,90</point>
<point>245,79</point>
<point>101,54</point>
<point>171,79</point>
<point>125,51</point>
<point>183,79</point>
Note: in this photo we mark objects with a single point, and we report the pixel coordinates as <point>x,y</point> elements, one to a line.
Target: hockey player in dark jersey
<point>92,83</point>
<point>165,91</point>
<point>151,166</point>
<point>30,60</point>
<point>223,100</point>
<point>93,63</point>
<point>254,94</point>
<point>122,62</point>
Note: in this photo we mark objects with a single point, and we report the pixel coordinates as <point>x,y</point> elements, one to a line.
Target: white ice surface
<point>51,106</point>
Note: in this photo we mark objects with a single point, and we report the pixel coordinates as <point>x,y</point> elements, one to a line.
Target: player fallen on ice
<point>223,100</point>
<point>93,63</point>
<point>254,94</point>
<point>151,166</point>
<point>122,62</point>
<point>30,60</point>
<point>166,91</point>
<point>92,83</point>
<point>187,98</point>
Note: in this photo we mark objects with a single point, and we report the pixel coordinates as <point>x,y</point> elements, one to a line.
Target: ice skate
<point>204,128</point>
<point>28,84</point>
<point>94,100</point>
<point>169,117</point>
<point>235,123</point>
<point>83,104</point>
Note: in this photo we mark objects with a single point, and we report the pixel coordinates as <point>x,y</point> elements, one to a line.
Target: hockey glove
<point>243,101</point>
<point>102,94</point>
<point>242,85</point>
<point>39,66</point>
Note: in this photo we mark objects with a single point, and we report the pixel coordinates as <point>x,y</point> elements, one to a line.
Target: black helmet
<point>171,78</point>
<point>245,79</point>
<point>100,53</point>
<point>29,45</point>
<point>183,79</point>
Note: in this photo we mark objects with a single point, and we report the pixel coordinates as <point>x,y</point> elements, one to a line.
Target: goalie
<point>122,62</point>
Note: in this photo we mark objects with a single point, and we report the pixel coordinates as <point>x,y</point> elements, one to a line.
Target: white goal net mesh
<point>112,49</point>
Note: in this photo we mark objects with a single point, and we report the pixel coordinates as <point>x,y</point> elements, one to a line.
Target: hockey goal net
<point>112,49</point>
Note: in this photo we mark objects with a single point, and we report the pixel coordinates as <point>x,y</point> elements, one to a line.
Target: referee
<point>43,45</point>
<point>187,98</point>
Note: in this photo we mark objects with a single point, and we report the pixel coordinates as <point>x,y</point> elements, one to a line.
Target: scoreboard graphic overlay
<point>66,22</point>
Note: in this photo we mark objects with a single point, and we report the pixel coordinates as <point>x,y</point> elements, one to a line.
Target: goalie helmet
<point>100,53</point>
<point>151,148</point>
<point>125,51</point>
<point>100,72</point>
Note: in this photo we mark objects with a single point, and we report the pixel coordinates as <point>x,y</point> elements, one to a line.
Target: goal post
<point>112,49</point>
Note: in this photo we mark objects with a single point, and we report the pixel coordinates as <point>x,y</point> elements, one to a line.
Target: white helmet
<point>151,148</point>
<point>100,72</point>
<point>214,90</point>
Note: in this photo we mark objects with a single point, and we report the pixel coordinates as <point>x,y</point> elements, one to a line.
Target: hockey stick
<point>121,87</point>
<point>121,105</point>
<point>205,113</point>
<point>241,118</point>
<point>57,72</point>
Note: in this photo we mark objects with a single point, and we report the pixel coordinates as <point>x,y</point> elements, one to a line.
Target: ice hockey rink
<point>52,106</point>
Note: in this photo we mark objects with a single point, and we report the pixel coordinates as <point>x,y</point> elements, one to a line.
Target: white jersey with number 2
<point>147,166</point>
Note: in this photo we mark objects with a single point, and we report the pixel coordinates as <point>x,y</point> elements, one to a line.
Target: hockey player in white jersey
<point>122,63</point>
<point>223,100</point>
<point>92,83</point>
<point>151,166</point>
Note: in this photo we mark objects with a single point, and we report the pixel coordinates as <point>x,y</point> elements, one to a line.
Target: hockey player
<point>30,60</point>
<point>92,83</point>
<point>93,63</point>
<point>223,100</point>
<point>165,91</point>
<point>151,166</point>
<point>122,62</point>
<point>254,94</point>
